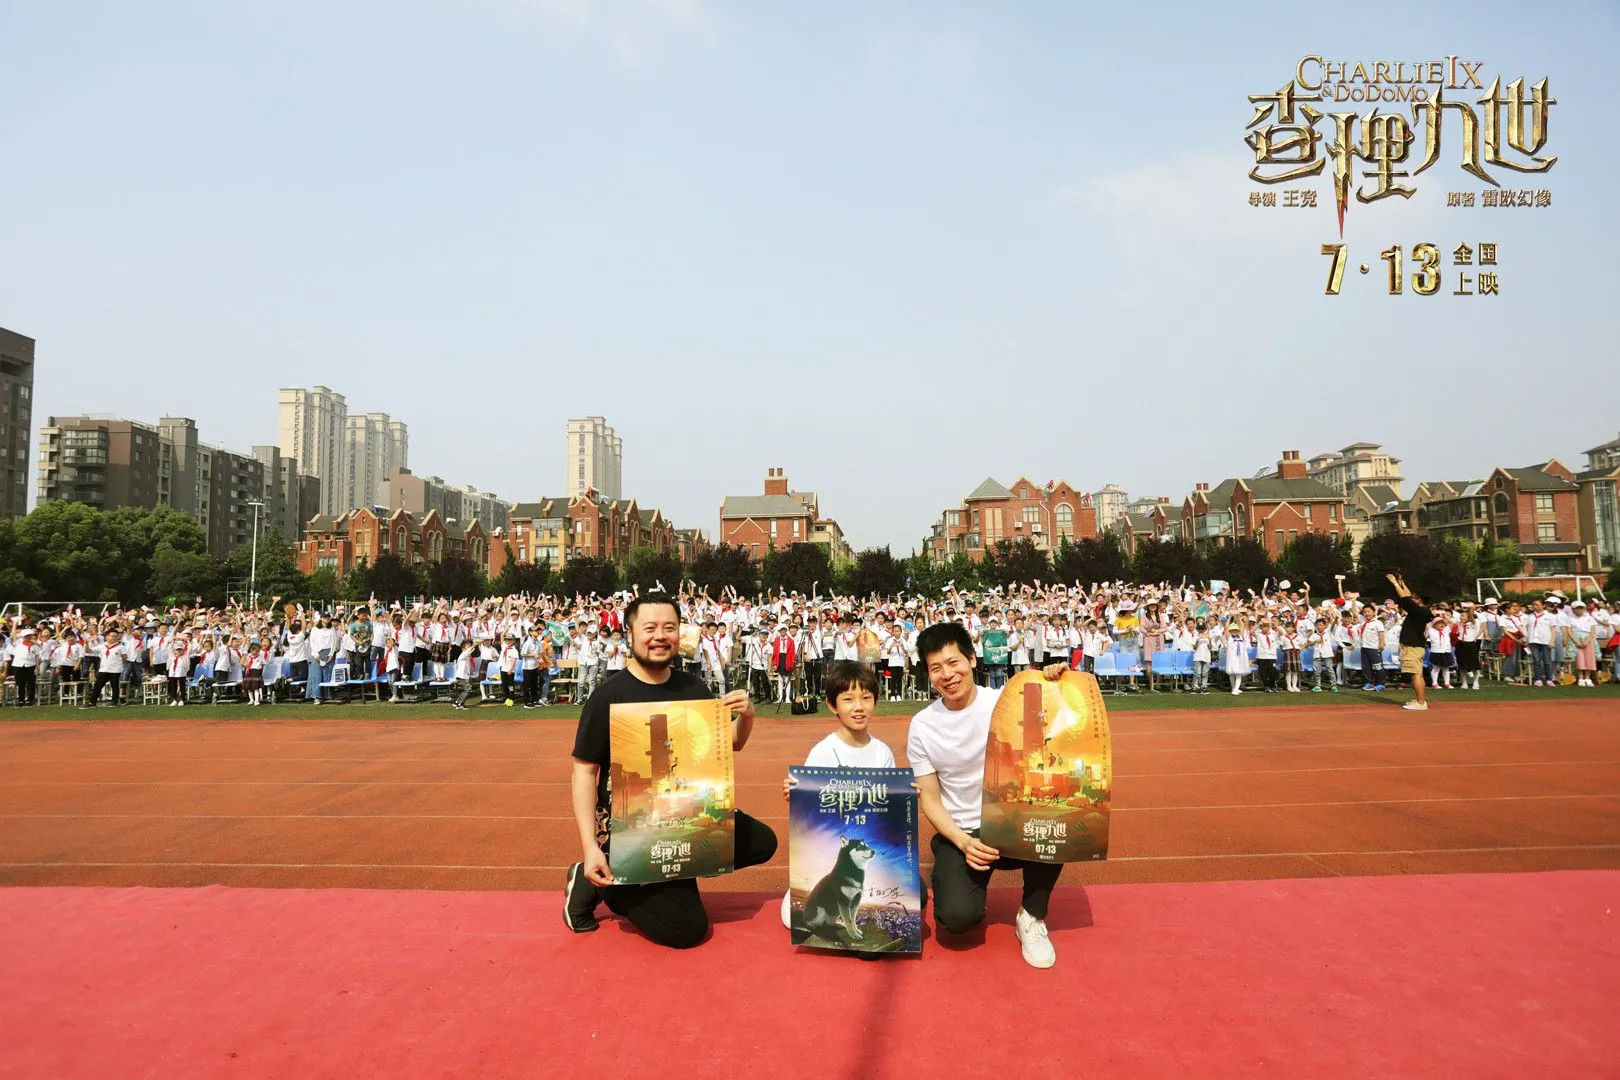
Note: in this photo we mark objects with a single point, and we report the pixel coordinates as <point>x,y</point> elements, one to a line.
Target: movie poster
<point>1048,770</point>
<point>672,791</point>
<point>853,869</point>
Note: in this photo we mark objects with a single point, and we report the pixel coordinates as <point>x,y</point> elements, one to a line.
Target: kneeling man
<point>946,745</point>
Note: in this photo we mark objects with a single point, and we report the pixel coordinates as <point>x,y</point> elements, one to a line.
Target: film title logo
<point>1420,109</point>
<point>1504,127</point>
<point>1046,830</point>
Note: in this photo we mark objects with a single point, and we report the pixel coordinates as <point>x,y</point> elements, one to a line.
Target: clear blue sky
<point>893,248</point>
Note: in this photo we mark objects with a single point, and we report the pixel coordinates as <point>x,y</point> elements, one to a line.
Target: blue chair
<point>1106,669</point>
<point>1164,663</point>
<point>1184,664</point>
<point>1307,658</point>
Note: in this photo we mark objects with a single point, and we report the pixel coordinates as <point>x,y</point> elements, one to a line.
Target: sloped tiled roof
<point>1302,489</point>
<point>1219,497</point>
<point>990,489</point>
<point>1381,494</point>
<point>1613,444</point>
<point>1533,478</point>
<point>541,508</point>
<point>762,506</point>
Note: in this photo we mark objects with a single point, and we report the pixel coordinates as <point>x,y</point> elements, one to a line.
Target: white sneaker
<point>1038,951</point>
<point>1416,706</point>
<point>787,910</point>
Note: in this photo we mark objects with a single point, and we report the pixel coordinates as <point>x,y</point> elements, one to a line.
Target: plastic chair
<point>339,679</point>
<point>1106,668</point>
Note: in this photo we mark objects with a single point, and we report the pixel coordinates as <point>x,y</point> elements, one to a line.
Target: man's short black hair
<point>936,637</point>
<point>650,598</point>
<point>850,675</point>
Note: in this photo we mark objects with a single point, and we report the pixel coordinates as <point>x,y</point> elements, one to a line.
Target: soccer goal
<point>43,609</point>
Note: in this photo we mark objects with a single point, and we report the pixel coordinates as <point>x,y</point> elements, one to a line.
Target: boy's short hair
<point>846,675</point>
<point>936,637</point>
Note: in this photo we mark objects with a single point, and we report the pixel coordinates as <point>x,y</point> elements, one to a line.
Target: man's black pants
<point>671,912</point>
<point>106,679</point>
<point>24,674</point>
<point>959,890</point>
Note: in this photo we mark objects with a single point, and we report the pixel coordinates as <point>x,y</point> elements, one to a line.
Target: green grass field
<point>1116,703</point>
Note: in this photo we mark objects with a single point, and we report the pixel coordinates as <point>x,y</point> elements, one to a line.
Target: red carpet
<point>1514,975</point>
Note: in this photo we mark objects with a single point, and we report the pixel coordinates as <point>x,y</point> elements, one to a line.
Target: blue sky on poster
<point>892,248</point>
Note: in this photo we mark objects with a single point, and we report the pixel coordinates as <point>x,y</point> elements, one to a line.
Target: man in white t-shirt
<point>946,745</point>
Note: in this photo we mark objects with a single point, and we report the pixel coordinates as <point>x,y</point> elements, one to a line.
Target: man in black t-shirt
<point>670,912</point>
<point>1414,630</point>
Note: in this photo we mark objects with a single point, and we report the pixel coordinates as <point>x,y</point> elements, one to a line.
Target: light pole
<point>253,561</point>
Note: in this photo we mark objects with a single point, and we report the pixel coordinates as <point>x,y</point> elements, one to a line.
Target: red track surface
<point>483,804</point>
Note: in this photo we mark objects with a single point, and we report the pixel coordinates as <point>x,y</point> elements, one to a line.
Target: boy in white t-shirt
<point>852,692</point>
<point>946,746</point>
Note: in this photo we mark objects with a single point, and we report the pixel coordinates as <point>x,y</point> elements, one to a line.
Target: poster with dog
<point>672,791</point>
<point>853,868</point>
<point>1048,770</point>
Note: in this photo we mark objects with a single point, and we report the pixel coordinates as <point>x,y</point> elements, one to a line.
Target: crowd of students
<point>779,647</point>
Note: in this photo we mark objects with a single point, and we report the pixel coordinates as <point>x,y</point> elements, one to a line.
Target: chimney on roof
<point>1201,487</point>
<point>776,482</point>
<point>1291,467</point>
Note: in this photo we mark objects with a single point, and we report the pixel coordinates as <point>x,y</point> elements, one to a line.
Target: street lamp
<point>253,561</point>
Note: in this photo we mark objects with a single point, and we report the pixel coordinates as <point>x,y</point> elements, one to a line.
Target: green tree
<point>274,573</point>
<point>323,584</point>
<point>647,566</point>
<point>1167,560</point>
<point>962,574</point>
<point>72,551</point>
<point>1435,571</point>
<point>925,577</point>
<point>1090,559</point>
<point>800,568</point>
<point>356,584</point>
<point>517,578</point>
<point>1243,563</point>
<point>181,577</point>
<point>586,575</point>
<point>875,570</point>
<point>1315,559</point>
<point>1015,562</point>
<point>1496,558</point>
<point>15,584</point>
<point>141,531</point>
<point>389,579</point>
<point>721,566</point>
<point>455,576</point>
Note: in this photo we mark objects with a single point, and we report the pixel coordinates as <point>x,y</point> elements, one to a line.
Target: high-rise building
<point>456,505</point>
<point>16,410</point>
<point>1110,502</point>
<point>595,458</point>
<point>106,462</point>
<point>375,445</point>
<point>290,497</point>
<point>313,432</point>
<point>100,461</point>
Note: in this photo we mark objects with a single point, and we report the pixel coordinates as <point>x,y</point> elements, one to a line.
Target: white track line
<point>528,867</point>
<point>314,816</point>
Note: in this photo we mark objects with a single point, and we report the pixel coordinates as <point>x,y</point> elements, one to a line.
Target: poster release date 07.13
<point>1468,269</point>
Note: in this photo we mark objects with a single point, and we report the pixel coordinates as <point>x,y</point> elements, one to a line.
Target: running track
<point>1200,795</point>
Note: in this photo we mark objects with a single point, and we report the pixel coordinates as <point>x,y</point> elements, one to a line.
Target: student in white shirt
<point>1441,658</point>
<point>178,665</point>
<point>1581,631</point>
<point>23,657</point>
<point>946,746</point>
<point>511,657</point>
<point>109,655</point>
<point>852,692</point>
